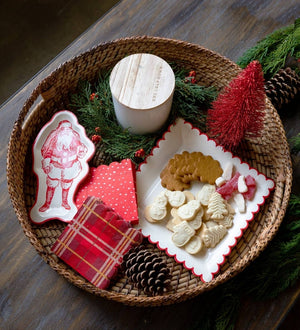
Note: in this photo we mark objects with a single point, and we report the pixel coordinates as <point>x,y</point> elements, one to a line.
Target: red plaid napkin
<point>95,242</point>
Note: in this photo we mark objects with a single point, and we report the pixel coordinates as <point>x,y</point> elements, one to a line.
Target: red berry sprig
<point>96,138</point>
<point>191,78</point>
<point>93,96</point>
<point>140,153</point>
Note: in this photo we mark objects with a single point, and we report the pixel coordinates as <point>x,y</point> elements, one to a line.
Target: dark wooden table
<point>32,295</point>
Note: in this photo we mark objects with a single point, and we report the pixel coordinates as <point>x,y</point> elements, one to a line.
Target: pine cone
<point>283,87</point>
<point>146,270</point>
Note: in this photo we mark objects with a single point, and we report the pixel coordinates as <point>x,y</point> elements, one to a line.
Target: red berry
<point>140,153</point>
<point>191,78</point>
<point>93,96</point>
<point>96,138</point>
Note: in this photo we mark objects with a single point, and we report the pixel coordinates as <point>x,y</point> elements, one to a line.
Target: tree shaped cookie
<point>216,207</point>
<point>212,234</point>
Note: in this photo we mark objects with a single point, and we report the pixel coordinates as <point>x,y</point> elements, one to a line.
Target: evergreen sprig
<point>294,206</point>
<point>189,102</point>
<point>189,99</point>
<point>273,50</point>
<point>295,141</point>
<point>99,112</point>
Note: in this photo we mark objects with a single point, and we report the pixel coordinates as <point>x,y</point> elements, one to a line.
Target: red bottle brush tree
<point>238,112</point>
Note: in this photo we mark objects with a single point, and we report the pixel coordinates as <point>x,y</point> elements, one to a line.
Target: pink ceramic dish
<point>61,152</point>
<point>182,136</point>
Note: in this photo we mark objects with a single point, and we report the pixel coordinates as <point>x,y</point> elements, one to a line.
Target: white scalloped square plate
<point>182,136</point>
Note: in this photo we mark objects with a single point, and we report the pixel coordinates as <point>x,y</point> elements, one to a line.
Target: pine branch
<point>294,206</point>
<point>272,51</point>
<point>295,141</point>
<point>190,102</point>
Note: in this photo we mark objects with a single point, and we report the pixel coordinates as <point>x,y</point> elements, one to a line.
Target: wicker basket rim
<point>19,208</point>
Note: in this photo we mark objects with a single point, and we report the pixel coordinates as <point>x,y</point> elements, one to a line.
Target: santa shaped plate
<point>182,136</point>
<point>61,152</point>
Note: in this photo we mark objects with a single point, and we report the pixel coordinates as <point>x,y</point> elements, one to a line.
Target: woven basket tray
<point>269,155</point>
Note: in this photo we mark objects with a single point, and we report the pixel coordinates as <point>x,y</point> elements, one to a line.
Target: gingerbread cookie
<point>184,168</point>
<point>168,181</point>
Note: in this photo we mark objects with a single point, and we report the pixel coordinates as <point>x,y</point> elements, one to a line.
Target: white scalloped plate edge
<point>182,136</point>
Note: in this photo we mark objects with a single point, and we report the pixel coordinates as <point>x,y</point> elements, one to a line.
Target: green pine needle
<point>227,313</point>
<point>189,98</point>
<point>273,50</point>
<point>295,141</point>
<point>294,207</point>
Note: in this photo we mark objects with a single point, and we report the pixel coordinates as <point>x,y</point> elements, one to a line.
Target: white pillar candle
<point>142,87</point>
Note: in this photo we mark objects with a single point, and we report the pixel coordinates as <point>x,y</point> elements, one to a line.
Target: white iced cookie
<point>161,200</point>
<point>213,235</point>
<point>182,234</point>
<point>206,216</point>
<point>205,193</point>
<point>157,212</point>
<point>197,221</point>
<point>175,198</point>
<point>240,202</point>
<point>147,214</point>
<point>188,211</point>
<point>242,187</point>
<point>175,220</point>
<point>216,207</point>
<point>153,213</point>
<point>189,196</point>
<point>194,245</point>
<point>227,222</point>
<point>170,225</point>
<point>209,224</point>
<point>227,173</point>
<point>174,212</point>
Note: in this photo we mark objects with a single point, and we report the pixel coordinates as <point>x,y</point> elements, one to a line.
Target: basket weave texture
<point>269,155</point>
